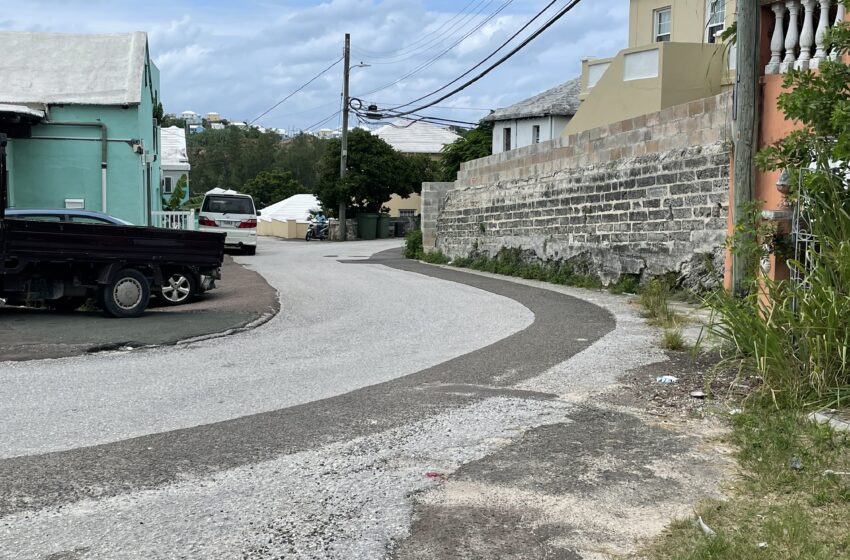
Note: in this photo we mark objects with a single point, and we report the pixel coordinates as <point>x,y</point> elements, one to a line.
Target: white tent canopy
<point>295,207</point>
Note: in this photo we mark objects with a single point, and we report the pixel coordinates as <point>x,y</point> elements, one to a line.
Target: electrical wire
<point>500,47</point>
<point>433,60</point>
<point>415,46</point>
<point>499,62</point>
<point>279,103</point>
<point>323,121</point>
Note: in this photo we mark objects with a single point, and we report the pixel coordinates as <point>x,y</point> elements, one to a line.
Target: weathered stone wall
<point>647,196</point>
<point>433,197</point>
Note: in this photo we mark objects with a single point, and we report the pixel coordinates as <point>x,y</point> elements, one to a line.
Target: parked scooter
<point>319,228</point>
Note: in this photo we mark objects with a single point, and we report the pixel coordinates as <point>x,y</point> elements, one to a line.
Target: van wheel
<point>179,288</point>
<point>127,295</point>
<point>250,249</point>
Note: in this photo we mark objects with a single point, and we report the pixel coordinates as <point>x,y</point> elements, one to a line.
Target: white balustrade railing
<point>174,219</point>
<point>799,34</point>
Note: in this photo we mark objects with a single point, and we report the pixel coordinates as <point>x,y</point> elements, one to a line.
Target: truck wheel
<point>127,294</point>
<point>179,288</point>
<point>250,249</point>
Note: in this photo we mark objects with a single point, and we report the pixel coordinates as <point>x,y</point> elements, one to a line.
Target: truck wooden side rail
<point>65,263</point>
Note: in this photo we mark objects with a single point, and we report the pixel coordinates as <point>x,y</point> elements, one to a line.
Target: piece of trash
<point>709,532</point>
<point>434,475</point>
<point>735,411</point>
<point>667,379</point>
<point>828,472</point>
<point>698,394</point>
<point>796,464</point>
<point>762,545</point>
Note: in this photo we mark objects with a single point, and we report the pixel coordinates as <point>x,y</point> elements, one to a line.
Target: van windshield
<point>228,205</point>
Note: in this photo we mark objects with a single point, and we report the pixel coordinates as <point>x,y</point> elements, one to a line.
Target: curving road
<point>210,449</point>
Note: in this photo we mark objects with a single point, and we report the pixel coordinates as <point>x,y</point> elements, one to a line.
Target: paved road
<point>249,446</point>
<point>242,298</point>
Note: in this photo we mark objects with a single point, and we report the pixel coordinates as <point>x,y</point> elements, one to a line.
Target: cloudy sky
<point>240,58</point>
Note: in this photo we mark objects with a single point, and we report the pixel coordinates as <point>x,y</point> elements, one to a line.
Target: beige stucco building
<point>675,56</point>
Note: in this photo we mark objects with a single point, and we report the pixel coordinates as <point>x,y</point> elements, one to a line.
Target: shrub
<point>673,340</point>
<point>655,299</point>
<point>413,244</point>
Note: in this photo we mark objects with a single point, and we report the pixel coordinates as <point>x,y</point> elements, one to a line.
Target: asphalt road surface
<point>304,438</point>
<point>242,298</point>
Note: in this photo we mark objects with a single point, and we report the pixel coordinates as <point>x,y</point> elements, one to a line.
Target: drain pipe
<point>103,152</point>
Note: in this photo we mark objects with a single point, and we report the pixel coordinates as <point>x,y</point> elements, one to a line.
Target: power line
<point>503,45</point>
<point>499,62</point>
<point>410,48</point>
<point>435,42</point>
<point>313,79</point>
<point>443,53</point>
<point>323,121</point>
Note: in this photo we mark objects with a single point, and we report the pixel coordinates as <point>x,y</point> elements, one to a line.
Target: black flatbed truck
<point>64,263</point>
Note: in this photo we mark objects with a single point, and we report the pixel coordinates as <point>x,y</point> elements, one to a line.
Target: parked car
<point>64,215</point>
<point>234,215</point>
<point>180,284</point>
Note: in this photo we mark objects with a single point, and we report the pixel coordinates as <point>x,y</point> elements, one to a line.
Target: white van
<point>234,215</point>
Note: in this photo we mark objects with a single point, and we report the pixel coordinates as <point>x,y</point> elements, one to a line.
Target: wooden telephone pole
<point>343,159</point>
<point>745,127</point>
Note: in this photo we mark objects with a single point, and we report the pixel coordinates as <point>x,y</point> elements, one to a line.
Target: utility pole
<point>745,127</point>
<point>343,156</point>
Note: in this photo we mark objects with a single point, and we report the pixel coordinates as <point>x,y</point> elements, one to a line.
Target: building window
<point>716,12</point>
<point>506,139</point>
<point>407,213</point>
<point>168,185</point>
<point>535,134</point>
<point>662,20</point>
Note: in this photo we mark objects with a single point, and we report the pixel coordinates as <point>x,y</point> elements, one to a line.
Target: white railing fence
<point>174,219</point>
<point>799,34</point>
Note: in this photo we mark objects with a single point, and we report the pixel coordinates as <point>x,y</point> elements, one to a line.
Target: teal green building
<point>79,110</point>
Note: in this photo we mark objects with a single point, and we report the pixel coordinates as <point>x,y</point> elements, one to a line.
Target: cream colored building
<point>674,56</point>
<point>413,137</point>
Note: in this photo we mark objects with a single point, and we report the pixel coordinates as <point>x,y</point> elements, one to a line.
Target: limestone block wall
<point>646,196</point>
<point>433,198</point>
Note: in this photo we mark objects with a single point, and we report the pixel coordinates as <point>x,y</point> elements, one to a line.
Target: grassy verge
<point>785,503</point>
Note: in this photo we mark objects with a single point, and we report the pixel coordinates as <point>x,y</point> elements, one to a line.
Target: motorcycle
<point>317,230</point>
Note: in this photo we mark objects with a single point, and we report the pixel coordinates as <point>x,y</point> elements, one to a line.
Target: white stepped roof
<point>174,155</point>
<point>416,137</point>
<point>74,69</point>
<point>295,207</point>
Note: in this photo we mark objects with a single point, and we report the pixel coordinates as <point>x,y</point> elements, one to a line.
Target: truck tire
<point>178,288</point>
<point>127,295</point>
<point>250,249</point>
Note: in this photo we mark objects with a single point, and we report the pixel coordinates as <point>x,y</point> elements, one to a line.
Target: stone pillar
<point>807,36</point>
<point>793,36</point>
<point>777,42</point>
<point>820,34</point>
<point>433,198</point>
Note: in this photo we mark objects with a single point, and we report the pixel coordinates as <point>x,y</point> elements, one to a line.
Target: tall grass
<point>797,336</point>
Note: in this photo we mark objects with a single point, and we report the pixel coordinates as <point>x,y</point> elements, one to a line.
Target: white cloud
<point>240,58</point>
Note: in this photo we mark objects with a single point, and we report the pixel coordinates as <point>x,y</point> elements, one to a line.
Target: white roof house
<point>173,150</point>
<point>84,69</point>
<point>537,119</point>
<point>416,137</point>
<point>295,207</point>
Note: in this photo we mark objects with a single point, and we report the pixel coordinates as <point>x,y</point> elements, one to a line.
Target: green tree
<point>474,144</point>
<point>300,156</point>
<point>375,172</point>
<point>269,187</point>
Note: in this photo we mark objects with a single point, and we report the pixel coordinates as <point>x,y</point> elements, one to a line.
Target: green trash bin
<point>367,226</point>
<point>383,226</point>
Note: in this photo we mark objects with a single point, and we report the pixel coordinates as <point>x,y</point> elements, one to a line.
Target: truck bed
<point>66,241</point>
